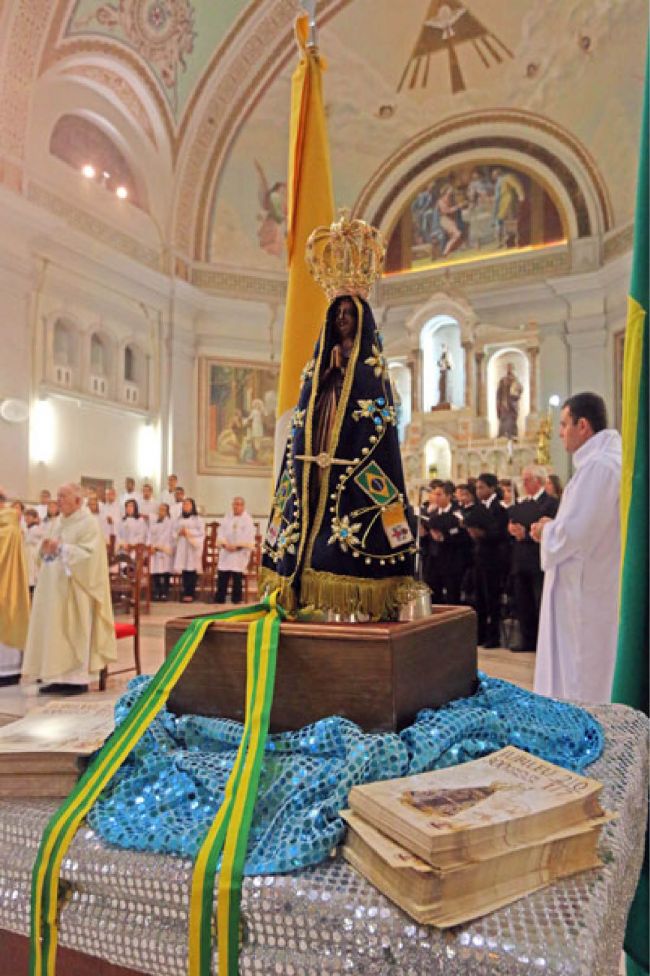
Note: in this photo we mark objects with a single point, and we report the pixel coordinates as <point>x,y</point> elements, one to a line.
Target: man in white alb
<point>236,540</point>
<point>71,634</point>
<point>148,506</point>
<point>168,496</point>
<point>580,555</point>
<point>110,514</point>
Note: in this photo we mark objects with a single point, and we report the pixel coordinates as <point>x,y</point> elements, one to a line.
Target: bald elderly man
<point>71,635</point>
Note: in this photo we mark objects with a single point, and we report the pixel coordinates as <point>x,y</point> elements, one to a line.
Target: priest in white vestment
<point>235,540</point>
<point>71,633</point>
<point>580,556</point>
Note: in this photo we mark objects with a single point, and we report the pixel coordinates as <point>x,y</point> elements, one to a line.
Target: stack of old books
<point>453,844</point>
<point>44,753</point>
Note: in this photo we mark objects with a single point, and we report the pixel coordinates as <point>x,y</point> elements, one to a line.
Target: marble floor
<point>16,700</point>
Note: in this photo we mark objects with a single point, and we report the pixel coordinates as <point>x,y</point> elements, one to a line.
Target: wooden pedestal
<point>377,675</point>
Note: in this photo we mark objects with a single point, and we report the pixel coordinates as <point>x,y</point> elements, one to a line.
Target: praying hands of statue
<point>517,530</point>
<point>537,528</point>
<point>337,357</point>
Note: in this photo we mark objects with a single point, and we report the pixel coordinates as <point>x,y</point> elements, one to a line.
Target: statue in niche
<point>509,391</point>
<point>445,366</point>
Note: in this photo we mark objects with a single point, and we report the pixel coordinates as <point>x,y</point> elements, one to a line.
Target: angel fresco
<point>273,213</point>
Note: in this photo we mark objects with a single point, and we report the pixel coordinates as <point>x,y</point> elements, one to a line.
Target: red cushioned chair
<point>126,575</point>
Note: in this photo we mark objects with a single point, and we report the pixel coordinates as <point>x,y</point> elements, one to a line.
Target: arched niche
<point>101,364</point>
<point>437,457</point>
<point>63,359</point>
<point>401,382</point>
<point>134,374</point>
<point>508,380</point>
<point>440,332</point>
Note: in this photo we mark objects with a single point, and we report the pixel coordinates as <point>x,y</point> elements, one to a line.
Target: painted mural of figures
<point>254,430</point>
<point>509,391</point>
<point>445,366</point>
<point>273,216</point>
<point>508,196</point>
<point>448,210</point>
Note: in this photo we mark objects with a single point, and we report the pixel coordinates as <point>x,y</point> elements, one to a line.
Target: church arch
<point>548,151</point>
<point>437,458</point>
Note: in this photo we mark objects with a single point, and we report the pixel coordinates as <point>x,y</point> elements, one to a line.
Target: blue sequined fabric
<point>167,793</point>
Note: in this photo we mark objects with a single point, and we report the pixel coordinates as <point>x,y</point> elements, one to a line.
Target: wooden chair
<point>210,560</point>
<point>126,577</point>
<point>250,576</point>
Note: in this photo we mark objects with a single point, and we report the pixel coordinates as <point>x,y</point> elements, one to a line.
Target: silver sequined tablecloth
<point>131,908</point>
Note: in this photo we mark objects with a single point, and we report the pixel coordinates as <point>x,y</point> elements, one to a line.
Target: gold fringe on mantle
<point>379,599</point>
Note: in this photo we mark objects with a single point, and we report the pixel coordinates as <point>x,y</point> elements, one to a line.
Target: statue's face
<point>346,319</point>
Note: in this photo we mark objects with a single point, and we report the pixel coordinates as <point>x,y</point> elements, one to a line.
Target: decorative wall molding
<point>95,228</point>
<point>414,287</point>
<point>239,285</point>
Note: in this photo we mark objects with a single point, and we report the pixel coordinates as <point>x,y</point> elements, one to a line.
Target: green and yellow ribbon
<point>229,832</point>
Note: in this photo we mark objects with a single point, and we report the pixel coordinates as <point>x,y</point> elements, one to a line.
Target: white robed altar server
<point>162,541</point>
<point>71,633</point>
<point>236,540</point>
<point>132,529</point>
<point>189,532</point>
<point>580,555</point>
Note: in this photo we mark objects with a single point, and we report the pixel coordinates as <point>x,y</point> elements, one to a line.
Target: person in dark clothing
<point>447,562</point>
<point>488,526</point>
<point>425,542</point>
<point>466,500</point>
<point>528,578</point>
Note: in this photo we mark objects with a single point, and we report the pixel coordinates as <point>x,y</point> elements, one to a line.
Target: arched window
<point>98,357</point>
<point>129,365</point>
<point>79,142</point>
<point>62,345</point>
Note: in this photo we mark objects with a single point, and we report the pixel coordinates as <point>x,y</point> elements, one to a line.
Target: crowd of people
<point>509,555</point>
<point>169,526</point>
<point>62,561</point>
<point>477,550</point>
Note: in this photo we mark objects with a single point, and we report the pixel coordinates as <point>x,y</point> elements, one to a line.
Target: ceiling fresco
<point>176,38</point>
<point>396,69</point>
<point>207,83</point>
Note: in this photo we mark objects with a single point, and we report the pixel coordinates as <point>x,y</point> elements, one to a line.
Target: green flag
<point>631,674</point>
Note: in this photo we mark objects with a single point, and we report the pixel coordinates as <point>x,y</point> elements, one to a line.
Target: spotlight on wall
<point>148,451</point>
<point>89,171</point>
<point>554,400</point>
<point>121,192</point>
<point>42,430</point>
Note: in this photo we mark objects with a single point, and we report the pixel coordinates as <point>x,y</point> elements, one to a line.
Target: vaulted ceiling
<point>194,95</point>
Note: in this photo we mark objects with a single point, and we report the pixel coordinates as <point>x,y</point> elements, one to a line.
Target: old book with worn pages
<point>450,897</point>
<point>43,753</point>
<point>474,811</point>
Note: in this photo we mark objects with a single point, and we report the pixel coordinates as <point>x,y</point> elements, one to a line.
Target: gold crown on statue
<point>346,257</point>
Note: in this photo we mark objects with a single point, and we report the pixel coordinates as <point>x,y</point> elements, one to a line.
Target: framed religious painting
<point>237,413</point>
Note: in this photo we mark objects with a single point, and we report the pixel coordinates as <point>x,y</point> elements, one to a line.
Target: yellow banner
<point>310,204</point>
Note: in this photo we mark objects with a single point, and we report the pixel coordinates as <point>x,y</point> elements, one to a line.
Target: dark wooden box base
<point>377,675</point>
